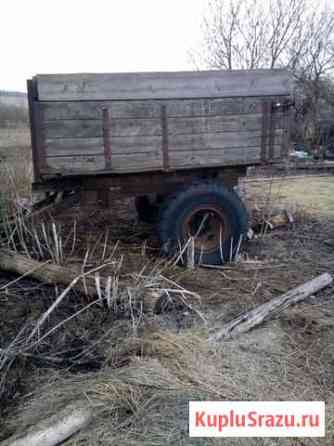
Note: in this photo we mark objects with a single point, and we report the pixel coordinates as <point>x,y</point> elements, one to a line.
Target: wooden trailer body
<point>95,125</point>
<point>178,142</point>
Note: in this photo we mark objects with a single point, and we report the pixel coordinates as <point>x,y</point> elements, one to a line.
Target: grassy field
<point>312,194</point>
<point>316,194</point>
<point>15,163</point>
<point>13,138</point>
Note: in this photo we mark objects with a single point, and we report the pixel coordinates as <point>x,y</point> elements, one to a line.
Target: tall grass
<point>15,174</point>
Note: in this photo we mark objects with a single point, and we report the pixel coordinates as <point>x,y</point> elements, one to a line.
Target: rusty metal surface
<point>287,118</point>
<point>209,227</point>
<point>265,130</point>
<point>271,133</point>
<point>164,126</point>
<point>141,183</point>
<point>106,116</point>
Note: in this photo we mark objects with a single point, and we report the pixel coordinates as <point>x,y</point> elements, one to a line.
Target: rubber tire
<point>146,210</point>
<point>176,209</point>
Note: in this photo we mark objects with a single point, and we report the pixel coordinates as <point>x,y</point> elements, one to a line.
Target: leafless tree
<point>297,34</point>
<point>253,34</point>
<point>313,69</point>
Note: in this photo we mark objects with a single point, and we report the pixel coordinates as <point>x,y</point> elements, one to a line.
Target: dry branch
<point>150,296</point>
<point>55,429</point>
<point>45,272</point>
<point>266,311</point>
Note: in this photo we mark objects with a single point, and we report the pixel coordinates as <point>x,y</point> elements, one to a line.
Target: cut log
<point>53,274</point>
<point>56,429</point>
<point>268,310</point>
<point>49,273</point>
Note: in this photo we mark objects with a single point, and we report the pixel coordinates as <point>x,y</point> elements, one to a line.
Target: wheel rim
<point>209,228</point>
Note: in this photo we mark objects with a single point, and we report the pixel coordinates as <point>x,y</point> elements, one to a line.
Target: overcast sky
<point>55,36</point>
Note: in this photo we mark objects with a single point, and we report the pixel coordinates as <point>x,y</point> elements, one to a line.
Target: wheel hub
<point>207,225</point>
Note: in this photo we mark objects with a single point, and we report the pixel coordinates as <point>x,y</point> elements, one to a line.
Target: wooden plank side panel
<point>147,145</point>
<point>93,109</point>
<point>215,107</point>
<point>201,158</point>
<point>201,132</point>
<point>151,109</point>
<point>73,129</point>
<point>74,165</point>
<point>89,128</point>
<point>226,140</point>
<point>168,85</point>
<point>84,146</point>
<point>74,146</point>
<point>214,124</point>
<point>219,157</point>
<point>152,127</point>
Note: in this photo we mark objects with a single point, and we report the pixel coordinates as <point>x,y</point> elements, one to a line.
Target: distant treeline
<point>11,116</point>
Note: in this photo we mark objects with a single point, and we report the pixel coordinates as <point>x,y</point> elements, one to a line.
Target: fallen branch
<point>268,310</point>
<point>49,273</point>
<point>55,429</point>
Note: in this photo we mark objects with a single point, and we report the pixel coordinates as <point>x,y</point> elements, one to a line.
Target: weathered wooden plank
<point>87,128</point>
<point>143,162</point>
<point>151,108</point>
<point>153,144</point>
<point>192,84</point>
<point>87,163</point>
<point>178,160</point>
<point>85,146</point>
<point>218,140</point>
<point>124,145</point>
<point>75,146</point>
<point>93,109</point>
<point>152,127</point>
<point>73,129</point>
<point>241,155</point>
<point>215,107</point>
<point>136,127</point>
<point>96,163</point>
<point>214,124</point>
<point>137,143</point>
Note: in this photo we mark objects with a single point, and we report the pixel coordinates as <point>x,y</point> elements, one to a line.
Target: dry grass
<point>13,138</point>
<point>311,194</point>
<point>15,168</point>
<point>148,375</point>
<point>145,402</point>
<point>139,367</point>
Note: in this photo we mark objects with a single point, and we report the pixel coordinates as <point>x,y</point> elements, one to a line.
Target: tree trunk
<point>49,273</point>
<point>53,274</point>
<point>266,311</point>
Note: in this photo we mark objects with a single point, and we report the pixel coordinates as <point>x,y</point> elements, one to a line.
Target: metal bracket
<point>106,117</point>
<point>164,127</point>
